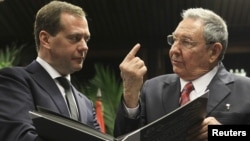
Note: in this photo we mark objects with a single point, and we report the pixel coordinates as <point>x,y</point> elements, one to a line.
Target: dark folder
<point>175,125</point>
<point>171,127</point>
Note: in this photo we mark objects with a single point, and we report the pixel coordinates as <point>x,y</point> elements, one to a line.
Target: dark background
<point>117,25</point>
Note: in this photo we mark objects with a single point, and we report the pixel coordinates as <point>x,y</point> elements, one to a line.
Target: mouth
<point>174,61</point>
<point>78,59</point>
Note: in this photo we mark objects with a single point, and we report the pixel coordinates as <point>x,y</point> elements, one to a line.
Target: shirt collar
<point>200,84</point>
<point>52,72</point>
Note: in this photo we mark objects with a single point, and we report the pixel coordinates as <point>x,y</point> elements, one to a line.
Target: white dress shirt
<point>200,84</point>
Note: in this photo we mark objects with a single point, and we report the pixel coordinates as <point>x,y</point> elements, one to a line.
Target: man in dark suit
<point>198,45</point>
<point>61,35</point>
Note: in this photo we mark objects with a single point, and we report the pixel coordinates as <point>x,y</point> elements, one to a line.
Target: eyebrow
<point>184,36</point>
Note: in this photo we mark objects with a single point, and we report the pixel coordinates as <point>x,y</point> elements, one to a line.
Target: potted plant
<point>110,87</point>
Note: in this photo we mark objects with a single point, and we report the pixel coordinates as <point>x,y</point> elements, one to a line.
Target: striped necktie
<point>186,92</point>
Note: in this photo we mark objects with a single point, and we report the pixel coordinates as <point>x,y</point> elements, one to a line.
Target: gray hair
<point>215,28</point>
<point>48,18</point>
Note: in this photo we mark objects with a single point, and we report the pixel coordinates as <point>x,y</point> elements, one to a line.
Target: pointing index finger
<point>133,52</point>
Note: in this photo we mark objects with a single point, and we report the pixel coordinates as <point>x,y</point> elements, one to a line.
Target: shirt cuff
<point>132,112</point>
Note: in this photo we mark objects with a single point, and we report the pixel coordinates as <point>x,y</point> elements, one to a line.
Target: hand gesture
<point>132,71</point>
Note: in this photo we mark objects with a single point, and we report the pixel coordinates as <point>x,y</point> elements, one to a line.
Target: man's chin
<point>176,70</point>
<point>77,68</point>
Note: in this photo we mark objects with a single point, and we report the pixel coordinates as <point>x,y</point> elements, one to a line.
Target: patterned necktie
<point>185,93</point>
<point>69,97</point>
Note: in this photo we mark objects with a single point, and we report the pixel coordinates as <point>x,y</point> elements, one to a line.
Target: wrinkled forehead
<point>190,28</point>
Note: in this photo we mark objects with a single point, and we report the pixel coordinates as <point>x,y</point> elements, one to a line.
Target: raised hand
<point>132,71</point>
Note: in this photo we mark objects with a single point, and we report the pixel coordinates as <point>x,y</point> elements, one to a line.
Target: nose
<point>175,49</point>
<point>175,46</point>
<point>83,45</point>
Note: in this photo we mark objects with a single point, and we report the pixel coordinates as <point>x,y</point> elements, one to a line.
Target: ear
<point>215,51</point>
<point>44,39</point>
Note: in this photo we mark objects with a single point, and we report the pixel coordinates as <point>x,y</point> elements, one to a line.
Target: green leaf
<point>8,55</point>
<point>111,89</point>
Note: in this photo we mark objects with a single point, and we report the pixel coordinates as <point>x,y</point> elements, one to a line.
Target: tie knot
<point>64,82</point>
<point>185,93</point>
<point>188,87</point>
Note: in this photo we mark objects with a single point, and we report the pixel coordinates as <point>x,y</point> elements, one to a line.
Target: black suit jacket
<point>160,95</point>
<point>22,89</point>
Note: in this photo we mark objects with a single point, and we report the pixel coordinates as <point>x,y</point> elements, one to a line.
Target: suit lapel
<point>171,94</point>
<point>44,80</point>
<point>219,88</point>
<point>218,91</point>
<point>81,106</point>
